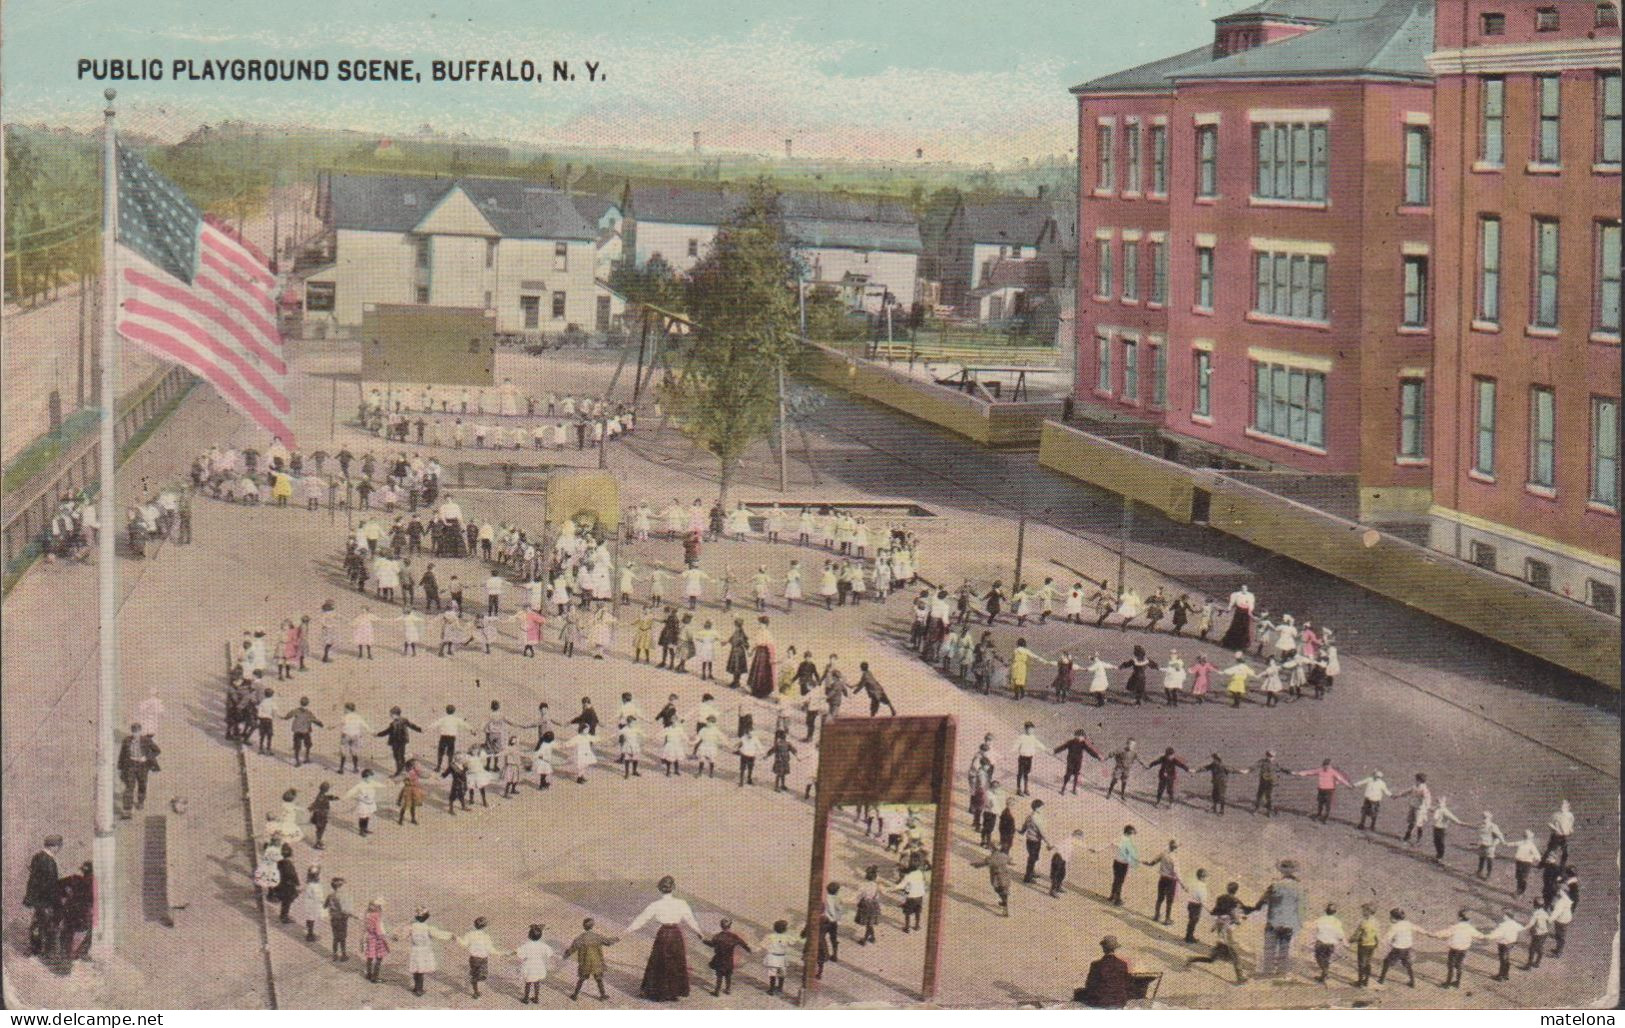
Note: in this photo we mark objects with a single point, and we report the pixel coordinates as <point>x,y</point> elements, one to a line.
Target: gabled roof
<point>398,203</point>
<point>1018,220</point>
<point>1005,273</point>
<point>592,208</point>
<point>1366,38</point>
<point>810,219</point>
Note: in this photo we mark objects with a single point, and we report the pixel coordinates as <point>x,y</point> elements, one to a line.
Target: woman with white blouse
<point>665,977</point>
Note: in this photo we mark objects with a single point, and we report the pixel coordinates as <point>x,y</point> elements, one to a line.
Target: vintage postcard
<point>784,506</point>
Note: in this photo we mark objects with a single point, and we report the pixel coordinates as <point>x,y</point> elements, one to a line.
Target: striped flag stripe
<point>250,291</point>
<point>190,301</point>
<point>181,326</point>
<point>235,252</point>
<point>161,343</point>
<point>225,295</point>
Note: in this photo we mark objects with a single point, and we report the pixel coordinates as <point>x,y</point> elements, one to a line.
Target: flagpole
<point>106,845</point>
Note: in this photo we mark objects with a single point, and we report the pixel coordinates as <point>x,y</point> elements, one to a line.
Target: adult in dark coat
<point>78,911</point>
<point>137,758</point>
<point>43,895</point>
<point>1107,984</point>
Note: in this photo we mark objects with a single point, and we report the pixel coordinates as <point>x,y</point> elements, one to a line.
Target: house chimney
<point>787,143</point>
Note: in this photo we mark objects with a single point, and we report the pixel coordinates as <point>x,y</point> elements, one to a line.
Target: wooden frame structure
<point>869,761</point>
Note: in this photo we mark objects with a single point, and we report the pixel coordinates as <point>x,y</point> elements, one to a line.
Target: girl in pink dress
<point>375,944</point>
<point>287,653</point>
<point>1199,678</point>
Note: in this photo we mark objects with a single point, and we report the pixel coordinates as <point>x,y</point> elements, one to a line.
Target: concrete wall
<point>1549,627</point>
<point>992,424</point>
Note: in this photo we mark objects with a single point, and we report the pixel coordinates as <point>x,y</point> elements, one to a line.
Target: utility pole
<point>1122,542</point>
<point>1021,546</point>
<point>784,466</point>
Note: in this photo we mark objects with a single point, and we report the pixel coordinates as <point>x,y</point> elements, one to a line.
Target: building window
<point>1548,93</point>
<point>490,254</point>
<point>1482,554</point>
<point>531,308</point>
<point>1131,371</point>
<point>1159,271</point>
<point>693,247</point>
<point>1545,298</point>
<point>1291,161</point>
<point>1207,160</point>
<point>1203,407</point>
<point>1608,108</point>
<point>1545,19</point>
<point>1159,375</point>
<point>1131,157</point>
<point>1103,268</point>
<point>1537,573</point>
<point>1204,277</point>
<point>1418,161</point>
<point>1289,286</point>
<point>1600,595</point>
<point>1484,418</point>
<point>1412,418</point>
<point>488,299</point>
<point>1489,269</point>
<point>1105,169</point>
<point>1416,291</point>
<point>1131,270</point>
<point>1159,157</point>
<point>1492,115</point>
<point>1607,16</point>
<point>423,252</point>
<point>1605,451</point>
<point>1103,362</point>
<point>1542,437</point>
<point>1607,303</point>
<point>561,256</point>
<point>1289,403</point>
<point>558,305</point>
<point>1492,24</point>
<point>422,294</point>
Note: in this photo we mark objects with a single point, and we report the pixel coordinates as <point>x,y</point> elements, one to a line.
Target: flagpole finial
<point>111,94</point>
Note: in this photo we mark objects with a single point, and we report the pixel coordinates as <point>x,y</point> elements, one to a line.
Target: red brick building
<point>1255,238</point>
<point>1526,370</point>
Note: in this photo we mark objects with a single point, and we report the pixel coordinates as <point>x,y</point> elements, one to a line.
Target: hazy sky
<point>964,80</point>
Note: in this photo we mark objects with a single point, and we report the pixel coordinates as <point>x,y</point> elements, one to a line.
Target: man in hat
<point>137,758</point>
<point>43,895</point>
<point>1107,984</point>
<point>1375,789</point>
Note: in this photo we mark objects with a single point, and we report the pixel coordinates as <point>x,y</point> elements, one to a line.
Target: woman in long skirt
<point>1239,635</point>
<point>665,977</point>
<point>761,679</point>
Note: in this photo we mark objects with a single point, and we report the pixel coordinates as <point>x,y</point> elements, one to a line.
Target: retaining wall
<point>992,424</point>
<point>1550,627</point>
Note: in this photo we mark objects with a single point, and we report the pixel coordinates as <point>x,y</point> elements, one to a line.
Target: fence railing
<point>29,509</point>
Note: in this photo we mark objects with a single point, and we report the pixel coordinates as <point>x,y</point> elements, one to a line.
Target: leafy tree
<point>743,303</point>
<point>654,283</point>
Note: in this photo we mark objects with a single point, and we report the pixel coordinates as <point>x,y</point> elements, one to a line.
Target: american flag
<point>192,294</point>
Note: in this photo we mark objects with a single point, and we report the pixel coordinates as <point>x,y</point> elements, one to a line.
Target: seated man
<point>1108,981</point>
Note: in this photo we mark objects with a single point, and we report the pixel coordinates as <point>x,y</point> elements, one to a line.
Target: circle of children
<point>498,419</point>
<point>575,582</point>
